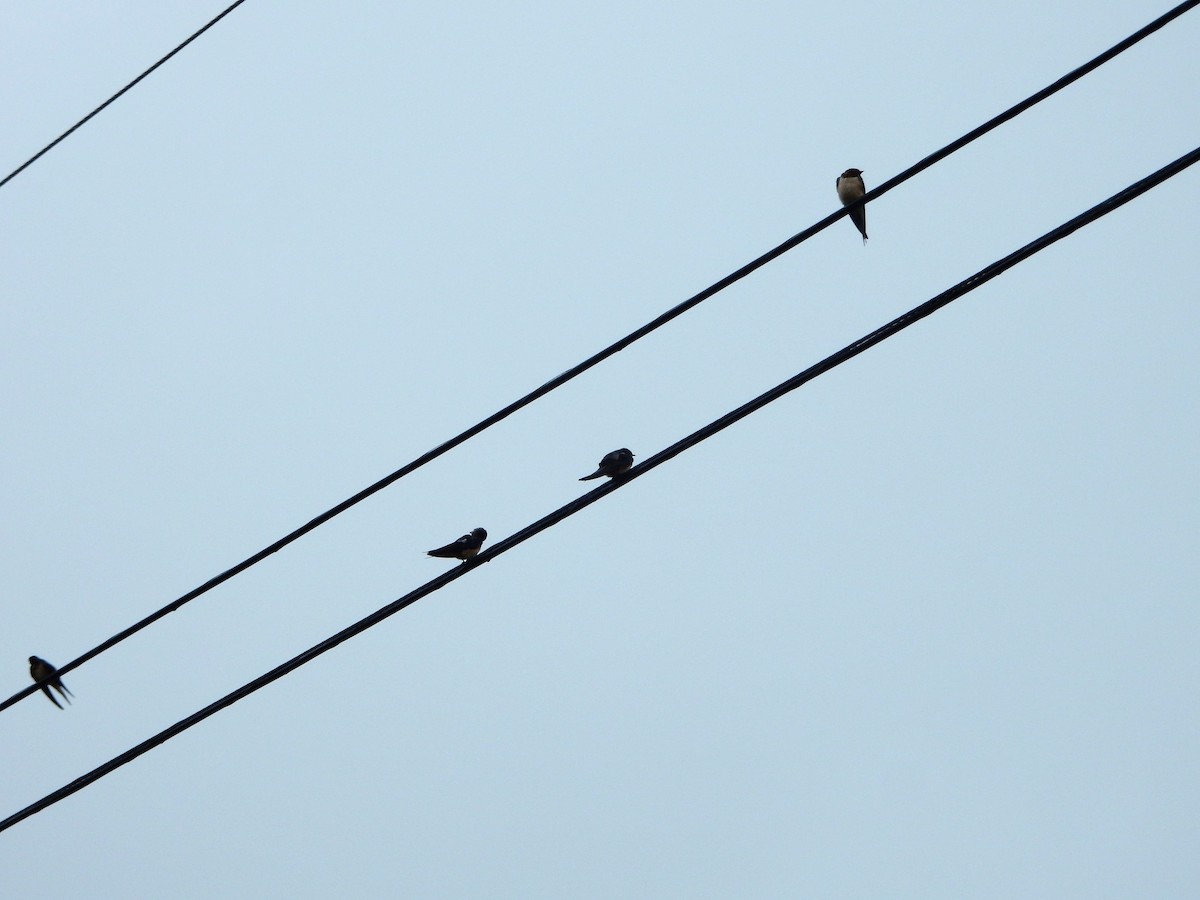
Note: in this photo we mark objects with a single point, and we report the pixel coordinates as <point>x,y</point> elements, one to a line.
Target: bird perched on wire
<point>613,464</point>
<point>850,187</point>
<point>46,677</point>
<point>464,548</point>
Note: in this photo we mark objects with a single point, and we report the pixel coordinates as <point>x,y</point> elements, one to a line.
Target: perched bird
<point>849,188</point>
<point>464,548</point>
<point>616,463</point>
<point>47,677</point>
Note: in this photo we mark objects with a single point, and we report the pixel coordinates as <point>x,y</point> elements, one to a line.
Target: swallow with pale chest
<point>46,677</point>
<point>613,464</point>
<point>850,187</point>
<point>464,548</point>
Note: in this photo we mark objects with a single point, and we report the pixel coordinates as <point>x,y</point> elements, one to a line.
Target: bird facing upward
<point>613,464</point>
<point>46,677</point>
<point>850,187</point>
<point>464,548</point>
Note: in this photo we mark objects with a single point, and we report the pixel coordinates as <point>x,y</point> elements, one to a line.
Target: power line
<point>614,348</point>
<point>62,137</point>
<point>848,352</point>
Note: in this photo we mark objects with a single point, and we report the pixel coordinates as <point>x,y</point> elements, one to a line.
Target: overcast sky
<point>925,628</point>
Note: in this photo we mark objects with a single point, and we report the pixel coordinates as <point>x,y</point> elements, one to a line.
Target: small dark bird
<point>464,548</point>
<point>849,188</point>
<point>616,463</point>
<point>46,677</point>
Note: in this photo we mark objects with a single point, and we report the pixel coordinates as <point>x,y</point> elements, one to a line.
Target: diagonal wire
<point>980,278</point>
<point>66,134</point>
<point>616,347</point>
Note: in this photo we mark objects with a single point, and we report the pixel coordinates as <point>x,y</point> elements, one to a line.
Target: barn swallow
<point>464,548</point>
<point>46,677</point>
<point>616,463</point>
<point>849,188</point>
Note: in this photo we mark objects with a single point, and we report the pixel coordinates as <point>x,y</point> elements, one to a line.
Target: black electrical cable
<point>66,134</point>
<point>614,348</point>
<point>846,353</point>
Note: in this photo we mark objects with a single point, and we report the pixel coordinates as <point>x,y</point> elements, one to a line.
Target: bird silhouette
<point>850,187</point>
<point>613,464</point>
<point>464,548</point>
<point>46,677</point>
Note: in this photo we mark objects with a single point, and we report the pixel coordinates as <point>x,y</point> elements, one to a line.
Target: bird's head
<point>480,533</point>
<point>852,173</point>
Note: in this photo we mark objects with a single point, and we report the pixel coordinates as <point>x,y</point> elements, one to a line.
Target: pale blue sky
<point>925,628</point>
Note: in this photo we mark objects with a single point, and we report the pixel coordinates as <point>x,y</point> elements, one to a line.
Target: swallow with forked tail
<point>46,677</point>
